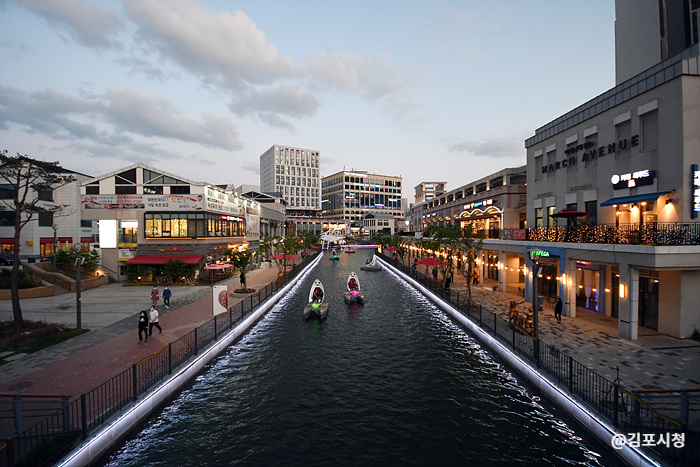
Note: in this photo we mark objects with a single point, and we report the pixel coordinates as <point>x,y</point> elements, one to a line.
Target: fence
<point>52,438</point>
<point>632,234</point>
<point>625,410</point>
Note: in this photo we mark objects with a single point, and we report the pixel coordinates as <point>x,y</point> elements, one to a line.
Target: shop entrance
<point>588,289</point>
<point>649,302</point>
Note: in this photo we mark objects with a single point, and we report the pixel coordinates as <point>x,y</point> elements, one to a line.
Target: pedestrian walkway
<point>654,361</point>
<point>111,312</point>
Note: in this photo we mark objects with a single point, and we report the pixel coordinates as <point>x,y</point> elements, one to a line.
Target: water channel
<point>393,382</point>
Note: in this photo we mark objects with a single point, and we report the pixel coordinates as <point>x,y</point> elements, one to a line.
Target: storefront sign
<point>633,179</point>
<point>164,202</point>
<point>537,254</point>
<point>695,192</point>
<point>486,202</point>
<point>591,154</point>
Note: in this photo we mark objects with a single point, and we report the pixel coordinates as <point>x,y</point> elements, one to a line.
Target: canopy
<point>155,260</point>
<point>431,261</point>
<point>282,256</point>
<point>566,213</point>
<point>217,266</point>
<point>391,248</point>
<point>633,199</point>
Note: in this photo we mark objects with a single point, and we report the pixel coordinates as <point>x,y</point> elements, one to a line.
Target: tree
<point>239,259</point>
<point>29,179</point>
<point>272,247</point>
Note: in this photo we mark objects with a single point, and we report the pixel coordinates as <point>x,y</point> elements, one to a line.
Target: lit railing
<point>632,234</point>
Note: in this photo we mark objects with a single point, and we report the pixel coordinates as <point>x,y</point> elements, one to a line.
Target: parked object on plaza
<point>353,294</point>
<point>371,265</point>
<point>316,308</point>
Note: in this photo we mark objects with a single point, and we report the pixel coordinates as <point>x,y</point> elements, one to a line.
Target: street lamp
<point>55,244</point>
<point>79,260</point>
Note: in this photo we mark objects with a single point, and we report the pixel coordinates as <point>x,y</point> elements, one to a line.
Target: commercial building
<point>613,198</point>
<point>47,232</point>
<point>352,194</point>
<point>293,172</point>
<point>147,215</point>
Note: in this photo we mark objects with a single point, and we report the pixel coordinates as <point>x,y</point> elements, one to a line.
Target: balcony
<point>671,234</point>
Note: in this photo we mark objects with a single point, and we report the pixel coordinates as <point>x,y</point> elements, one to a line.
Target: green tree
<point>239,259</point>
<point>308,239</point>
<point>29,179</point>
<point>175,268</point>
<point>278,249</point>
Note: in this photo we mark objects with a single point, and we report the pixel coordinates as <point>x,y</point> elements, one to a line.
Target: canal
<point>393,382</point>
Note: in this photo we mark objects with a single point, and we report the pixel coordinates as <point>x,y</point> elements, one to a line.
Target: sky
<point>431,90</point>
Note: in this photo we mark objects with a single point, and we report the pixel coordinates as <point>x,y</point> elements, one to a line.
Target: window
<point>45,194</point>
<point>93,189</point>
<point>192,225</point>
<point>538,167</point>
<point>45,219</point>
<point>85,224</point>
<point>180,190</point>
<point>551,221</point>
<point>592,210</point>
<point>7,218</point>
<point>649,123</point>
<point>551,160</point>
<point>624,134</point>
<point>153,190</point>
<point>125,190</point>
<point>126,178</point>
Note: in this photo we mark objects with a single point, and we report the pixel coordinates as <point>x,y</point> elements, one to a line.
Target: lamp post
<point>79,260</point>
<point>55,245</point>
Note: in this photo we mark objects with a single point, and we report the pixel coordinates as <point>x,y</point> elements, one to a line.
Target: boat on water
<point>353,294</point>
<point>316,308</point>
<point>371,265</point>
<point>334,255</point>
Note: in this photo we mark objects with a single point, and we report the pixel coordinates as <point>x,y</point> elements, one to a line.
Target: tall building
<point>648,32</point>
<point>293,172</point>
<point>426,191</point>
<point>352,194</point>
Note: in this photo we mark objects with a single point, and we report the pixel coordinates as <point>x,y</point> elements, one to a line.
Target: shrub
<point>27,279</point>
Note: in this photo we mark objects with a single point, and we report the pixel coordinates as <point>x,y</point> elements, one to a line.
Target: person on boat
<point>352,284</point>
<point>334,253</point>
<point>318,294</point>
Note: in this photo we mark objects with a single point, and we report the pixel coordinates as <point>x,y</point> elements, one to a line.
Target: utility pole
<point>78,262</point>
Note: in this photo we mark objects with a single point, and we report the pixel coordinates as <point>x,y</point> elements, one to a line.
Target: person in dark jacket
<point>557,309</point>
<point>166,296</point>
<point>143,325</point>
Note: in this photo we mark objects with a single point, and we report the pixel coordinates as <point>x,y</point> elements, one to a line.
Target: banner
<point>219,296</point>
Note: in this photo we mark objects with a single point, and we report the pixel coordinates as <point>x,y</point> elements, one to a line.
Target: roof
<point>163,259</point>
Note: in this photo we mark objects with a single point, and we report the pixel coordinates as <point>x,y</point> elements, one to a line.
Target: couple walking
<point>147,321</point>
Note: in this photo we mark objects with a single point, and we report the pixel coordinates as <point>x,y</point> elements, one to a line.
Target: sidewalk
<point>653,361</point>
<point>111,312</point>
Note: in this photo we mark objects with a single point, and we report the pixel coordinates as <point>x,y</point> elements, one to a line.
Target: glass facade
<point>192,225</point>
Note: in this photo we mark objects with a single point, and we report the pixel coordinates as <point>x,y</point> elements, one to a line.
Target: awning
<point>163,259</point>
<point>633,199</point>
<point>217,266</point>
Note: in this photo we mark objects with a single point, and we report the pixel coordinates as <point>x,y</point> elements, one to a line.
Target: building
<point>293,172</point>
<point>380,223</point>
<point>495,207</point>
<point>352,194</point>
<point>425,191</point>
<point>623,169</point>
<point>47,231</point>
<point>649,32</point>
<point>146,215</point>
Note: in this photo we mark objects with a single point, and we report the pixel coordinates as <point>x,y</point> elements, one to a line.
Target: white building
<point>293,172</point>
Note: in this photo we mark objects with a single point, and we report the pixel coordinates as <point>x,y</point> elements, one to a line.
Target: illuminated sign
<point>537,254</point>
<point>695,202</point>
<point>633,179</point>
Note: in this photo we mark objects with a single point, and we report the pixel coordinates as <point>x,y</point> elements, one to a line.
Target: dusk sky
<point>429,90</point>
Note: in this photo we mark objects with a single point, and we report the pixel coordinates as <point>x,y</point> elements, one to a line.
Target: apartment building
<point>293,172</point>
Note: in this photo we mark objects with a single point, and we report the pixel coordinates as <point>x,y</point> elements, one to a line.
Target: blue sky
<point>429,90</point>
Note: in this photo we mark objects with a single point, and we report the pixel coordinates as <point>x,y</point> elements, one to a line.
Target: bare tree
<point>30,179</point>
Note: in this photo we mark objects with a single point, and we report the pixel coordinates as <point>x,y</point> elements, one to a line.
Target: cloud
<point>115,118</point>
<point>85,22</point>
<point>269,104</point>
<point>379,81</point>
<point>224,49</point>
<point>492,147</point>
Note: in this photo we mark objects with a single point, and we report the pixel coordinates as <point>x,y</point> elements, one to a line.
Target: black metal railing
<point>665,234</point>
<point>626,411</point>
<point>49,440</point>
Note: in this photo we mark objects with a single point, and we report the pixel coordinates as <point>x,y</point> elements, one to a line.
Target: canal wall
<point>594,424</point>
<point>102,441</point>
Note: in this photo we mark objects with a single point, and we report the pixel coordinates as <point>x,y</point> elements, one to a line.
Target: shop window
<point>551,221</point>
<point>538,218</point>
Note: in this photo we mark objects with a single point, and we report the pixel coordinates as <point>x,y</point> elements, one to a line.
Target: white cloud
<point>85,22</point>
<point>270,104</point>
<point>491,147</point>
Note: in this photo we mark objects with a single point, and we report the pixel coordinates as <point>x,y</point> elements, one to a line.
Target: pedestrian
<point>435,272</point>
<point>243,286</point>
<point>153,318</point>
<point>167,293</point>
<point>557,309</point>
<point>415,264</point>
<point>154,295</point>
<point>143,325</point>
<point>476,278</point>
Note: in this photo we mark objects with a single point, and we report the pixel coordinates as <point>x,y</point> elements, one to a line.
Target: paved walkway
<point>81,364</point>
<point>651,362</point>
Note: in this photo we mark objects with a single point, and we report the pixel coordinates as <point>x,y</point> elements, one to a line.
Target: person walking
<point>153,318</point>
<point>435,272</point>
<point>243,286</point>
<point>154,295</point>
<point>557,309</point>
<point>167,293</point>
<point>475,281</point>
<point>143,325</point>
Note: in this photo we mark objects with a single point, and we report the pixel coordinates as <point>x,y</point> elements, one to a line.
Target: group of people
<point>149,319</point>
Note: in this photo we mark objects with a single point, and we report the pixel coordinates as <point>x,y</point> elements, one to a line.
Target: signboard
<point>164,202</point>
<point>633,179</point>
<point>538,254</point>
<point>219,296</point>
